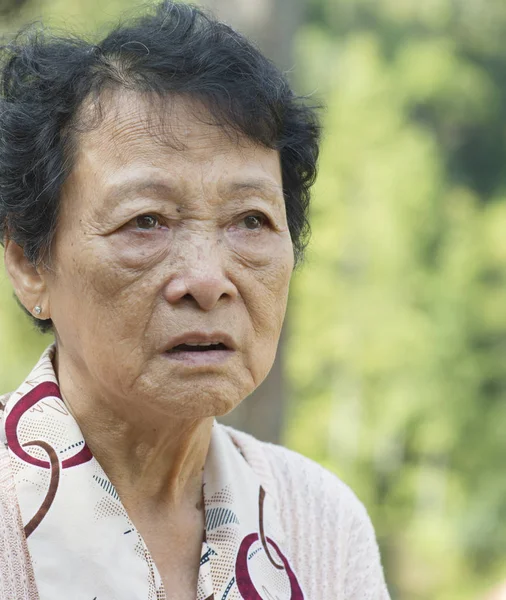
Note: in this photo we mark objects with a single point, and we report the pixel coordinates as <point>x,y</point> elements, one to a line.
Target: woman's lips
<point>203,339</point>
<point>199,348</point>
<point>199,357</point>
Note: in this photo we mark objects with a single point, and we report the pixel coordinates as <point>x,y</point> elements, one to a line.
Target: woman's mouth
<point>201,349</point>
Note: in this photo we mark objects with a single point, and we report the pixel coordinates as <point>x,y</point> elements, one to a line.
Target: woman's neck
<point>157,467</point>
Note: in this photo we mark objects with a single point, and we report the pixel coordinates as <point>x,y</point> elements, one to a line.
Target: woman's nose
<point>201,279</point>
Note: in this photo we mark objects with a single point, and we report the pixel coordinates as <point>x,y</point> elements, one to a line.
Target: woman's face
<point>163,245</point>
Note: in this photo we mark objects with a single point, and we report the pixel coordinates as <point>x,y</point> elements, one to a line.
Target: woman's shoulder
<point>16,575</point>
<point>284,470</point>
<point>327,525</point>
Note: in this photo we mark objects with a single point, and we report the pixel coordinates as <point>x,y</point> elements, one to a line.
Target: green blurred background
<point>392,370</point>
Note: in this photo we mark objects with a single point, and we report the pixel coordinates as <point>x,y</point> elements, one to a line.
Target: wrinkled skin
<point>168,225</point>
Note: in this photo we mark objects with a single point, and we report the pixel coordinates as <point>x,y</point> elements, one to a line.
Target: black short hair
<point>175,48</point>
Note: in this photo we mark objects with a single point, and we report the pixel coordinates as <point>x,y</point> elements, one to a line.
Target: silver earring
<point>37,310</point>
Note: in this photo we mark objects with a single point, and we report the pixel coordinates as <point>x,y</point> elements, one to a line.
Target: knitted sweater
<point>330,537</point>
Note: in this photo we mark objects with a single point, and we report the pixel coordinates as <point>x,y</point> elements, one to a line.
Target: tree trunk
<point>272,25</point>
<point>9,8</point>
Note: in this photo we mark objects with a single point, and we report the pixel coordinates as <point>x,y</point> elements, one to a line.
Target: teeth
<point>202,344</point>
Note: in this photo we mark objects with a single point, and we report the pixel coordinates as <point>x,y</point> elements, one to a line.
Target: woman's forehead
<point>125,121</point>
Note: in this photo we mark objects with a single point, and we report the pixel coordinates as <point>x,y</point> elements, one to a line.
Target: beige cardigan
<point>331,539</point>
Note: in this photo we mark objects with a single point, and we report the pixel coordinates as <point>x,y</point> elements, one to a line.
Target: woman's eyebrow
<point>265,187</point>
<point>131,188</point>
<point>162,190</point>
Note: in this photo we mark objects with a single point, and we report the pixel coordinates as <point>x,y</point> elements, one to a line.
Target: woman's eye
<point>253,222</point>
<point>147,222</point>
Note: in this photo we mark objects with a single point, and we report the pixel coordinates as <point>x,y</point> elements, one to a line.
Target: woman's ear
<point>28,280</point>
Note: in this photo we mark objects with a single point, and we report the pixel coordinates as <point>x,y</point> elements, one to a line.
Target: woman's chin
<point>209,397</point>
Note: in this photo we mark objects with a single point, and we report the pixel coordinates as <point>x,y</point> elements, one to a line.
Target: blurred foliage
<point>398,320</point>
<point>397,323</point>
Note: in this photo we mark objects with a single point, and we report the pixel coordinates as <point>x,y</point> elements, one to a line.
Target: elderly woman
<point>153,200</point>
